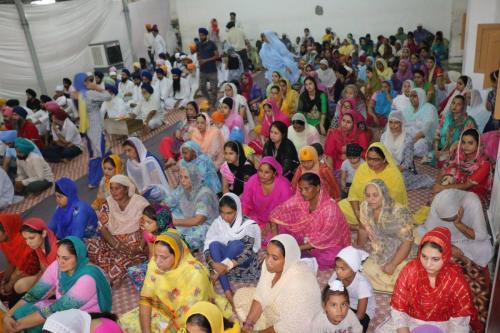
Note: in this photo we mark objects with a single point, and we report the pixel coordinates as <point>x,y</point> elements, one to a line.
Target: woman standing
<point>76,283</point>
<point>388,226</point>
<point>232,245</point>
<point>313,218</point>
<point>431,290</point>
<point>276,57</point>
<point>120,244</point>
<point>73,217</point>
<point>263,192</point>
<point>282,149</point>
<point>287,295</point>
<point>313,103</point>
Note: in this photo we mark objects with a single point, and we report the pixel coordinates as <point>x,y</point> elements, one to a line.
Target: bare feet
<point>214,276</point>
<point>230,297</point>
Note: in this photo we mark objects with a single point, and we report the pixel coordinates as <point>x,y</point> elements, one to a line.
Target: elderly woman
<point>379,165</point>
<point>281,148</point>
<point>210,139</point>
<point>143,167</point>
<point>301,133</point>
<point>469,170</point>
<point>287,296</point>
<point>309,162</point>
<point>388,226</point>
<point>313,103</point>
<point>75,282</point>
<point>232,244</point>
<point>313,218</point>
<point>194,207</point>
<point>20,258</point>
<point>400,143</point>
<point>421,121</point>
<point>175,281</point>
<point>73,217</point>
<point>263,192</point>
<point>193,156</point>
<point>431,291</point>
<point>120,244</point>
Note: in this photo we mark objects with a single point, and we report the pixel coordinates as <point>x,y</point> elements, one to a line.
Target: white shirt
<point>159,45</point>
<point>70,133</point>
<point>115,108</point>
<point>236,38</point>
<point>32,169</point>
<point>161,87</point>
<point>6,190</point>
<point>62,101</point>
<point>347,167</point>
<point>145,107</point>
<point>126,88</point>
<point>183,93</point>
<point>361,288</point>
<point>148,40</point>
<point>350,324</point>
<point>136,95</point>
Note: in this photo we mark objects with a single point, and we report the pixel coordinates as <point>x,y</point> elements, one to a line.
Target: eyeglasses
<point>374,159</point>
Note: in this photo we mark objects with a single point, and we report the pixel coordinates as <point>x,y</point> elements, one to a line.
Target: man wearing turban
<point>25,127</point>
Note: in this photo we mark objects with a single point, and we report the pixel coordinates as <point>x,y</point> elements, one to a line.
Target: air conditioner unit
<point>106,54</point>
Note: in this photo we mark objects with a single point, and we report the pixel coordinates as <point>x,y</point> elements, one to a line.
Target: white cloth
<point>136,95</point>
<point>401,102</point>
<point>350,171</point>
<point>321,324</point>
<point>236,38</point>
<point>395,145</point>
<point>222,232</point>
<point>115,108</point>
<point>147,171</point>
<point>6,190</point>
<point>125,88</point>
<point>445,205</point>
<point>327,77</point>
<point>182,95</point>
<point>307,137</point>
<point>360,288</point>
<point>70,133</point>
<point>41,120</point>
<point>62,101</point>
<point>161,87</point>
<point>477,110</point>
<point>145,107</point>
<point>159,45</point>
<point>239,102</point>
<point>148,40</point>
<point>353,257</point>
<point>68,321</point>
<point>33,168</point>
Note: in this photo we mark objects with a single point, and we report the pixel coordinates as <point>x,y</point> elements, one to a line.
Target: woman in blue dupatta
<point>378,113</point>
<point>192,156</point>
<point>73,217</point>
<point>276,57</point>
<point>77,285</point>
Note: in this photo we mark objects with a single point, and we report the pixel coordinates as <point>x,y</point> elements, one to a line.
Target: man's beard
<point>17,125</point>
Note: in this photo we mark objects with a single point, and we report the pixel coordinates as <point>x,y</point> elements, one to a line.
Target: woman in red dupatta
<point>21,259</point>
<point>314,220</point>
<point>348,132</point>
<point>470,168</point>
<point>46,250</point>
<point>447,305</point>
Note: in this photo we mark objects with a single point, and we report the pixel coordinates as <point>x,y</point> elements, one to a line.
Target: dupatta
<point>63,216</point>
<point>48,256</point>
<point>277,115</point>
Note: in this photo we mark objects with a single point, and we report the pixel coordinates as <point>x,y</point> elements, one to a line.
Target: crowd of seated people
<point>294,169</point>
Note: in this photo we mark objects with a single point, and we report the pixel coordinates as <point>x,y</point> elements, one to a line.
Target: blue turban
<point>159,70</point>
<point>126,71</point>
<point>237,135</point>
<point>8,136</point>
<point>112,89</point>
<point>176,71</point>
<point>20,111</point>
<point>147,87</point>
<point>79,82</point>
<point>147,75</point>
<point>203,31</point>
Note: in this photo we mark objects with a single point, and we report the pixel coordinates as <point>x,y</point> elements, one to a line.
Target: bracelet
<point>248,323</point>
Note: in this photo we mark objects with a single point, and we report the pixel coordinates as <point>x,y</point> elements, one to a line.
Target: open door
<point>487,57</point>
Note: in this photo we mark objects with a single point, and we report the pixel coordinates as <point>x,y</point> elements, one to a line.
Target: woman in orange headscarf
<point>111,166</point>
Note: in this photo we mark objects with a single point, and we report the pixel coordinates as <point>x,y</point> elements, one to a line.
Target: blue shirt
<point>207,50</point>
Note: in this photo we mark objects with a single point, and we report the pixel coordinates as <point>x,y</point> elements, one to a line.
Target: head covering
<point>7,111</point>
<point>15,249</point>
<point>308,153</point>
<point>147,87</point>
<point>31,92</point>
<point>68,321</point>
<point>176,71</point>
<point>173,239</point>
<point>52,106</point>
<point>191,66</point>
<point>292,250</point>
<point>60,115</point>
<point>124,181</point>
<point>47,253</point>
<point>223,232</point>
<point>111,88</point>
<point>20,111</point>
<point>217,117</point>
<point>8,136</point>
<point>336,285</point>
<point>59,87</point>
<point>63,216</point>
<point>353,257</point>
<point>237,134</point>
<point>211,312</point>
<point>407,75</point>
<point>154,27</point>
<point>272,162</point>
<point>83,267</point>
<point>79,83</point>
<point>23,145</point>
<point>395,144</point>
<point>203,31</point>
<point>147,74</point>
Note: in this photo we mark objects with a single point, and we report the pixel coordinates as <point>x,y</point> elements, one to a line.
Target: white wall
<point>478,11</point>
<point>458,8</point>
<point>292,16</point>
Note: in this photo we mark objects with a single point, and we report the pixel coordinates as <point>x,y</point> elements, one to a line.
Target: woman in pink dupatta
<point>210,139</point>
<point>276,115</point>
<point>263,192</point>
<point>231,116</point>
<point>314,220</point>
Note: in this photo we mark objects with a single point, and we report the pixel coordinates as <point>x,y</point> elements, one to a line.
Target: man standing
<point>159,45</point>
<point>207,58</point>
<point>149,41</point>
<point>232,18</point>
<point>236,38</point>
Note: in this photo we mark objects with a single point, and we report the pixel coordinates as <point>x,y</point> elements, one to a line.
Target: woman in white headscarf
<point>421,121</point>
<point>232,244</point>
<point>400,144</point>
<point>143,167</point>
<point>78,321</point>
<point>477,109</point>
<point>287,296</point>
<point>240,104</point>
<point>276,57</point>
<point>402,101</point>
<point>462,213</point>
<point>463,85</point>
<point>301,133</point>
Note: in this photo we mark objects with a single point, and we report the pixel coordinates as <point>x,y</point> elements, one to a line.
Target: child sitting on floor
<point>349,166</point>
<point>337,316</point>
<point>361,297</point>
<point>111,166</point>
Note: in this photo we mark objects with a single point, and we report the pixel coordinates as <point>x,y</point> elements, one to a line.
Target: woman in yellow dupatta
<point>379,164</point>
<point>175,281</point>
<point>206,317</point>
<point>289,95</point>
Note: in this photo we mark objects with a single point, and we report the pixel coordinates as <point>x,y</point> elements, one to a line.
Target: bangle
<point>248,323</point>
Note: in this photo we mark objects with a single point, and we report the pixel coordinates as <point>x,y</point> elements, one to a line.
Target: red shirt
<point>29,131</point>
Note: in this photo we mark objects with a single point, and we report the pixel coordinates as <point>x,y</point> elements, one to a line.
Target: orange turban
<point>191,67</point>
<point>217,117</point>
